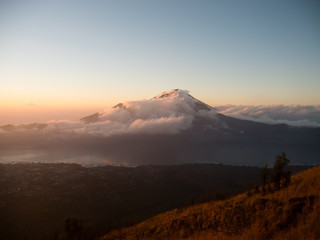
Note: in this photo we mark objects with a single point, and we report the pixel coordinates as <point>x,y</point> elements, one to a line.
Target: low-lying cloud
<point>168,113</point>
<point>167,125</point>
<point>294,115</point>
<point>153,132</point>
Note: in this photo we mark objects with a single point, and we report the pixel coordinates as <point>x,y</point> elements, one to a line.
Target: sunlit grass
<point>290,213</point>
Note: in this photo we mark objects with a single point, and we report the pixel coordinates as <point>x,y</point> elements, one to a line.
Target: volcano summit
<point>170,128</point>
<point>172,111</point>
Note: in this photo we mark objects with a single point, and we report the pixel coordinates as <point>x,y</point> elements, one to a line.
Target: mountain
<point>208,137</point>
<point>36,126</point>
<point>289,213</point>
<point>170,128</point>
<point>176,102</point>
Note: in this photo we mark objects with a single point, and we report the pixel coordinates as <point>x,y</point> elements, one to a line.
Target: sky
<point>68,59</point>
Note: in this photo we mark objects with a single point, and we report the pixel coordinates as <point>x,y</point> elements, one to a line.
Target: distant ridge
<point>91,118</point>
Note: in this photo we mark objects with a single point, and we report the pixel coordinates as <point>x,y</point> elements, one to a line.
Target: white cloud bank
<point>168,113</point>
<point>294,115</point>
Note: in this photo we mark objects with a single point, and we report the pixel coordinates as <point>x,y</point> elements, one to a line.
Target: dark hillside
<point>36,199</point>
<point>292,212</point>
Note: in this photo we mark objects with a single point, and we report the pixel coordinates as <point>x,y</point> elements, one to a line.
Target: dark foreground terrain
<point>291,212</point>
<point>36,199</point>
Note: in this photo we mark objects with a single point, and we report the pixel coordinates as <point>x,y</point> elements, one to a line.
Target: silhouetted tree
<point>279,171</point>
<point>220,196</point>
<point>287,178</point>
<point>73,228</point>
<point>257,189</point>
<point>264,175</point>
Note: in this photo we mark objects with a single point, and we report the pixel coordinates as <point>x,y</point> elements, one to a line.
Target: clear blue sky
<point>97,53</point>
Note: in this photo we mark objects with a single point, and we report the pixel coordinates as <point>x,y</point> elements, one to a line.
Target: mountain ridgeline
<point>171,128</point>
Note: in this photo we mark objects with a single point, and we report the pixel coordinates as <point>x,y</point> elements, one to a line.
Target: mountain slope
<point>166,104</point>
<point>290,213</point>
<point>202,135</point>
<point>170,128</point>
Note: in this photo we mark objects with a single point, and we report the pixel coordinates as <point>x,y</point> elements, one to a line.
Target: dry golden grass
<point>290,213</point>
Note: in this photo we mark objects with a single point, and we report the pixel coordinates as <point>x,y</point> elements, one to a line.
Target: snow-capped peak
<point>184,96</point>
<point>171,104</point>
<point>174,93</point>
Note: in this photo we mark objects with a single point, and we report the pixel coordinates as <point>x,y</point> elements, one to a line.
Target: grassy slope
<point>290,213</point>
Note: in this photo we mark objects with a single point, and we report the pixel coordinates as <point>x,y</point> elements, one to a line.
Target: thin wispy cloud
<point>294,115</point>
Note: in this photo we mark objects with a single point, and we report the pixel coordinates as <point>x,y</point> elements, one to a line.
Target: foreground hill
<point>290,213</point>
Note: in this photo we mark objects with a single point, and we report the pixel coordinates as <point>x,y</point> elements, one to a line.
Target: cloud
<point>167,114</point>
<point>294,115</point>
<point>145,132</point>
<point>121,134</point>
